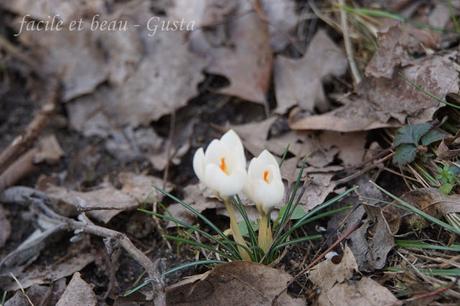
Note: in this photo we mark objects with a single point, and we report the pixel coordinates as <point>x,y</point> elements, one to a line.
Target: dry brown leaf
<point>78,291</point>
<point>299,82</point>
<point>254,135</point>
<point>317,188</point>
<point>136,188</point>
<point>235,283</point>
<point>350,146</point>
<point>338,288</point>
<point>49,150</point>
<point>282,20</point>
<point>390,102</point>
<point>35,294</point>
<point>198,198</point>
<point>45,272</point>
<point>236,42</point>
<point>74,56</point>
<point>5,227</point>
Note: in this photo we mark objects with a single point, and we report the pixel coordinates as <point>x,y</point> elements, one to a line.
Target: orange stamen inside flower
<point>266,176</point>
<point>223,165</point>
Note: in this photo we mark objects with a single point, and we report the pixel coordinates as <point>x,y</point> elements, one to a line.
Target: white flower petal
<point>198,164</point>
<point>214,152</point>
<point>225,185</point>
<point>233,142</point>
<point>268,195</point>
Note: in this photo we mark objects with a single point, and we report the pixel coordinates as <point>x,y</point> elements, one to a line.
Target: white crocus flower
<point>265,188</point>
<point>222,167</point>
<point>264,185</point>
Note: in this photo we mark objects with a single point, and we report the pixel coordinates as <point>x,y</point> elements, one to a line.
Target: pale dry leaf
<point>5,227</point>
<point>317,188</point>
<point>35,294</point>
<point>236,43</point>
<point>391,102</point>
<point>350,146</point>
<point>337,287</point>
<point>49,150</point>
<point>74,56</point>
<point>78,291</point>
<point>142,187</point>
<point>235,283</point>
<point>103,203</point>
<point>255,134</point>
<point>282,20</point>
<point>45,273</point>
<point>327,274</point>
<point>299,82</point>
<point>66,10</point>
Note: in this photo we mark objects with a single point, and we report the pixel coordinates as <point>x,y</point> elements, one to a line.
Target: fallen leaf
<point>338,288</point>
<point>282,20</point>
<point>142,187</point>
<point>317,188</point>
<point>390,102</point>
<point>236,42</point>
<point>299,81</point>
<point>49,150</point>
<point>5,227</point>
<point>77,258</point>
<point>78,291</point>
<point>255,134</point>
<point>35,294</point>
<point>235,283</point>
<point>350,146</point>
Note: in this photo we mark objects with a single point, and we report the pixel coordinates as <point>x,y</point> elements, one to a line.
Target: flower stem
<point>236,231</point>
<point>265,232</point>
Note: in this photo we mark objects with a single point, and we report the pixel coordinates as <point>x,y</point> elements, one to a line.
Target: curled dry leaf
<point>78,291</point>
<point>298,82</point>
<point>338,288</point>
<point>255,135</point>
<point>236,43</point>
<point>390,102</point>
<point>235,283</point>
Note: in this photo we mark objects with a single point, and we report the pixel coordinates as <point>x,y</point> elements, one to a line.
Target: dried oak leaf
<point>236,43</point>
<point>338,288</point>
<point>255,134</point>
<point>235,283</point>
<point>78,291</point>
<point>299,81</point>
<point>384,102</point>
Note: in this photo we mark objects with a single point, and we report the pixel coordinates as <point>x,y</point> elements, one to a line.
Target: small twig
<point>321,256</point>
<point>19,55</point>
<point>348,47</point>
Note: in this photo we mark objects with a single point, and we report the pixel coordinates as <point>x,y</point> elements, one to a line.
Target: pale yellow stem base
<point>265,232</point>
<point>236,231</point>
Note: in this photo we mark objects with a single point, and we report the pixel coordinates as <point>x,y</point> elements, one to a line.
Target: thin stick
<point>348,47</point>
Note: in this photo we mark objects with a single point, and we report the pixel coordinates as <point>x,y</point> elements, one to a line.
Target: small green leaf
<point>411,134</point>
<point>404,154</point>
<point>446,188</point>
<point>244,228</point>
<point>433,136</point>
<point>296,214</point>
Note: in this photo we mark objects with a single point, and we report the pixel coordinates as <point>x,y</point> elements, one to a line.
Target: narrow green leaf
<point>411,244</point>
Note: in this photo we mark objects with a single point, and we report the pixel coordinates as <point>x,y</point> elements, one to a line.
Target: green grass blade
<point>199,245</point>
<point>243,213</point>
<point>175,269</point>
<point>411,244</point>
<point>230,245</point>
<point>419,212</point>
<point>195,212</point>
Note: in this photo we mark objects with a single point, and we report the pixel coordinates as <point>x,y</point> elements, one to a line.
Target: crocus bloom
<point>265,188</point>
<point>222,167</point>
<point>264,184</point>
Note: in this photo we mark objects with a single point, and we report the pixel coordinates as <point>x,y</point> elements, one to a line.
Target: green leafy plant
<point>448,178</point>
<point>414,138</point>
